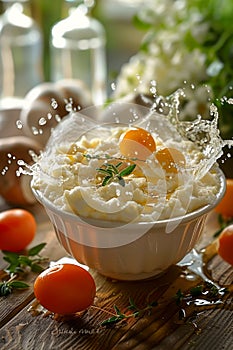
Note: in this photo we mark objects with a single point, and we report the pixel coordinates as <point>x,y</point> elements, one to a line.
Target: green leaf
<point>113,168</point>
<point>112,173</point>
<point>105,171</point>
<point>10,256</point>
<point>132,305</point>
<point>36,268</point>
<point>118,311</point>
<point>12,268</point>
<point>24,260</point>
<point>111,320</point>
<point>36,250</point>
<point>213,290</point>
<point>127,171</point>
<point>106,180</point>
<point>195,291</point>
<point>19,285</point>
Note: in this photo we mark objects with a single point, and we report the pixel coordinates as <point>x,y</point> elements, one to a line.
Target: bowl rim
<point>183,218</point>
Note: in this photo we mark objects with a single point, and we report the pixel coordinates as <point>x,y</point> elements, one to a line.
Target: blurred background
<point>122,37</point>
<point>98,51</point>
<point>123,45</point>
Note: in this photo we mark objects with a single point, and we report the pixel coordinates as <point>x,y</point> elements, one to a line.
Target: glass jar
<point>20,51</point>
<point>78,49</point>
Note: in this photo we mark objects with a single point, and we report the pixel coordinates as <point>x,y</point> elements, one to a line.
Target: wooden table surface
<point>204,327</point>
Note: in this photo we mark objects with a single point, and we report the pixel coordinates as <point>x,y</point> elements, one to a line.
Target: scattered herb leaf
<point>207,290</point>
<point>195,291</point>
<point>36,250</point>
<point>6,287</point>
<point>19,264</point>
<point>179,297</point>
<point>121,316</point>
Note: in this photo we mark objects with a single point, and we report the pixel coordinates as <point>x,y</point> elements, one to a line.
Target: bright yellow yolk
<point>137,143</point>
<point>170,159</point>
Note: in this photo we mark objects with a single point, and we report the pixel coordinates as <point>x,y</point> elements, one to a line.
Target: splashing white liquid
<point>204,133</point>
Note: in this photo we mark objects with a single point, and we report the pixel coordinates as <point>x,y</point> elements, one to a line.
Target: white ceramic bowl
<point>133,251</point>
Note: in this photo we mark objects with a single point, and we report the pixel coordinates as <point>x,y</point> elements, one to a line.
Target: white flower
<point>168,58</point>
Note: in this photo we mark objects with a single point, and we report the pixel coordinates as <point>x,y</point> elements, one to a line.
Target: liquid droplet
<point>113,86</point>
<point>42,121</point>
<point>54,104</point>
<point>19,124</point>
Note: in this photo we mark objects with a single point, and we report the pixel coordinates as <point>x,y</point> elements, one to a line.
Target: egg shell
<point>45,105</point>
<point>16,189</point>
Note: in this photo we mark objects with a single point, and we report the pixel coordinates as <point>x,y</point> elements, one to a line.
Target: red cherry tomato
<point>17,229</point>
<point>225,246</point>
<point>65,289</point>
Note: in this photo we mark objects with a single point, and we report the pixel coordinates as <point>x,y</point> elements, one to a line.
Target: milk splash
<point>204,133</point>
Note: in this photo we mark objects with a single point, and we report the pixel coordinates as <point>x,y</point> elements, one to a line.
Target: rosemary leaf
<point>110,321</point>
<point>106,180</point>
<point>127,171</point>
<point>118,311</point>
<point>105,171</point>
<point>112,173</point>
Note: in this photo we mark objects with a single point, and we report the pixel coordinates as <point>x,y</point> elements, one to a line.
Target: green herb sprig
<point>7,287</point>
<point>207,290</point>
<point>120,316</point>
<point>18,265</point>
<point>112,173</point>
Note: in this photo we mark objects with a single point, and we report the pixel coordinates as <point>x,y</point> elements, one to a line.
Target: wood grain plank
<point>161,329</point>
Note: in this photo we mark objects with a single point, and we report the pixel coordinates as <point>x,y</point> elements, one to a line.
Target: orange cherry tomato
<point>17,229</point>
<point>170,159</point>
<point>225,206</point>
<point>137,143</point>
<point>65,289</point>
<point>225,246</point>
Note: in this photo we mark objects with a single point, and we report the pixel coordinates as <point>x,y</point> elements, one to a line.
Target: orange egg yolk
<point>170,159</point>
<point>137,143</point>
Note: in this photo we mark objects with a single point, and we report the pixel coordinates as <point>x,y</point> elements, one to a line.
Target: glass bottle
<point>20,51</point>
<point>78,49</point>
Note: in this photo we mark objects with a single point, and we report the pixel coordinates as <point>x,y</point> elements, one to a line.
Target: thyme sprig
<point>209,291</point>
<point>112,173</point>
<point>120,316</point>
<point>19,265</point>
